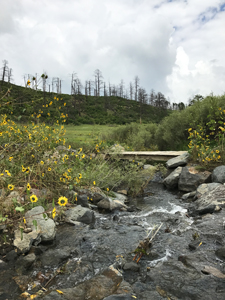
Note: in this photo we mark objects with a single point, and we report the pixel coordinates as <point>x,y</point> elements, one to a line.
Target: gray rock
<point>188,195</point>
<point>53,257</point>
<point>188,182</point>
<point>171,181</point>
<point>98,287</point>
<point>218,174</point>
<point>82,200</point>
<point>3,265</point>
<point>45,225</point>
<point>25,262</point>
<point>131,266</point>
<point>215,197</point>
<point>110,204</point>
<point>120,197</point>
<point>120,297</point>
<point>54,296</point>
<point>221,253</point>
<point>181,160</point>
<point>27,240</point>
<point>206,187</point>
<point>80,214</point>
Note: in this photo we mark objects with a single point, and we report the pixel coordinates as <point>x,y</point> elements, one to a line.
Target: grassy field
<point>85,135</point>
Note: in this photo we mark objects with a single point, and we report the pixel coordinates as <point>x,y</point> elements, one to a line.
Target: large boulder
<point>218,174</point>
<point>180,160</point>
<point>171,181</point>
<point>215,197</point>
<point>205,188</point>
<point>190,179</point>
<point>80,214</point>
<point>45,225</point>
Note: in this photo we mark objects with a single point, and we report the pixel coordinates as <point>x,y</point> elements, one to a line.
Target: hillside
<point>26,103</point>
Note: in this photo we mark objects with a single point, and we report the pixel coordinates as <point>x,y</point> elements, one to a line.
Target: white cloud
<point>176,47</point>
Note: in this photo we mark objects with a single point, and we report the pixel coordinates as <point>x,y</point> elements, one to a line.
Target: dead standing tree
<point>98,82</point>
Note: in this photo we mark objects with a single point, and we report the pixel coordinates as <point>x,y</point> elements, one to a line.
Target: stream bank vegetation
<point>37,153</point>
<point>38,166</point>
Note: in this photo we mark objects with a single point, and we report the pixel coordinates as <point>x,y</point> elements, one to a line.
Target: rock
<point>215,272</point>
<point>188,195</point>
<point>207,210</point>
<point>171,181</point>
<point>82,200</point>
<point>206,187</point>
<point>8,201</point>
<point>80,214</point>
<point>98,287</point>
<point>180,160</point>
<point>218,174</point>
<point>3,265</point>
<point>45,225</point>
<point>11,256</point>
<point>131,266</point>
<point>215,197</point>
<point>119,197</point>
<point>189,181</point>
<point>110,204</point>
<point>123,192</point>
<point>61,148</point>
<point>27,240</point>
<point>117,148</point>
<point>120,297</point>
<point>54,257</point>
<point>221,253</point>
<point>194,245</point>
<point>25,262</point>
<point>22,281</point>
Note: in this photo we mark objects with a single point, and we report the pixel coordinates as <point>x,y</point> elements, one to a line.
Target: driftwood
<point>145,244</point>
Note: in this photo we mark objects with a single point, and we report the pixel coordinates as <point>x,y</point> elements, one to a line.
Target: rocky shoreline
<point>88,251</point>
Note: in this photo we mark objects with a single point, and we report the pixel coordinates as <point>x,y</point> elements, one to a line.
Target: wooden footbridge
<point>147,155</point>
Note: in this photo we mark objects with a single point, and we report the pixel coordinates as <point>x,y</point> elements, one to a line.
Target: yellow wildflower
<point>11,187</point>
<point>33,198</point>
<point>62,201</point>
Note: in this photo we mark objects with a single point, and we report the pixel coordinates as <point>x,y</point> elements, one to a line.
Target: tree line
<point>95,87</point>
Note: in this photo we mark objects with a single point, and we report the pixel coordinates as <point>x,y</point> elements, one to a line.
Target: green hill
<point>26,103</point>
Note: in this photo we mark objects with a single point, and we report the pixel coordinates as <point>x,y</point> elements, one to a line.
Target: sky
<point>176,47</point>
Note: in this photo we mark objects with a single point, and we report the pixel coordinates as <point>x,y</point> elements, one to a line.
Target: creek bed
<point>171,268</point>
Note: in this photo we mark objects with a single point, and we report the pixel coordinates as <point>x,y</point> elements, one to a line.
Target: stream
<point>180,264</point>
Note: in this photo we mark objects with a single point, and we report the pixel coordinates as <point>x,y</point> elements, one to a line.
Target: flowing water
<point>84,251</point>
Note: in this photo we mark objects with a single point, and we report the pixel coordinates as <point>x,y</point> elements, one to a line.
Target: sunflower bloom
<point>11,187</point>
<point>33,198</point>
<point>62,201</point>
<point>28,186</point>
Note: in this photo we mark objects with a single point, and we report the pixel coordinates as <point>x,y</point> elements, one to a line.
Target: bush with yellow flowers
<point>206,143</point>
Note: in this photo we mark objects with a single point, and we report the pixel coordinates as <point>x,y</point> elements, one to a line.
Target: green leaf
<point>21,232</point>
<point>45,216</point>
<point>70,186</point>
<point>19,208</point>
<point>35,223</point>
<point>53,203</point>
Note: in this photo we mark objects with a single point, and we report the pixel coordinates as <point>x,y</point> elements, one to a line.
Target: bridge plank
<point>147,155</point>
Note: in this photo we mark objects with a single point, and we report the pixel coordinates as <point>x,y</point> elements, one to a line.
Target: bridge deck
<point>148,155</point>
